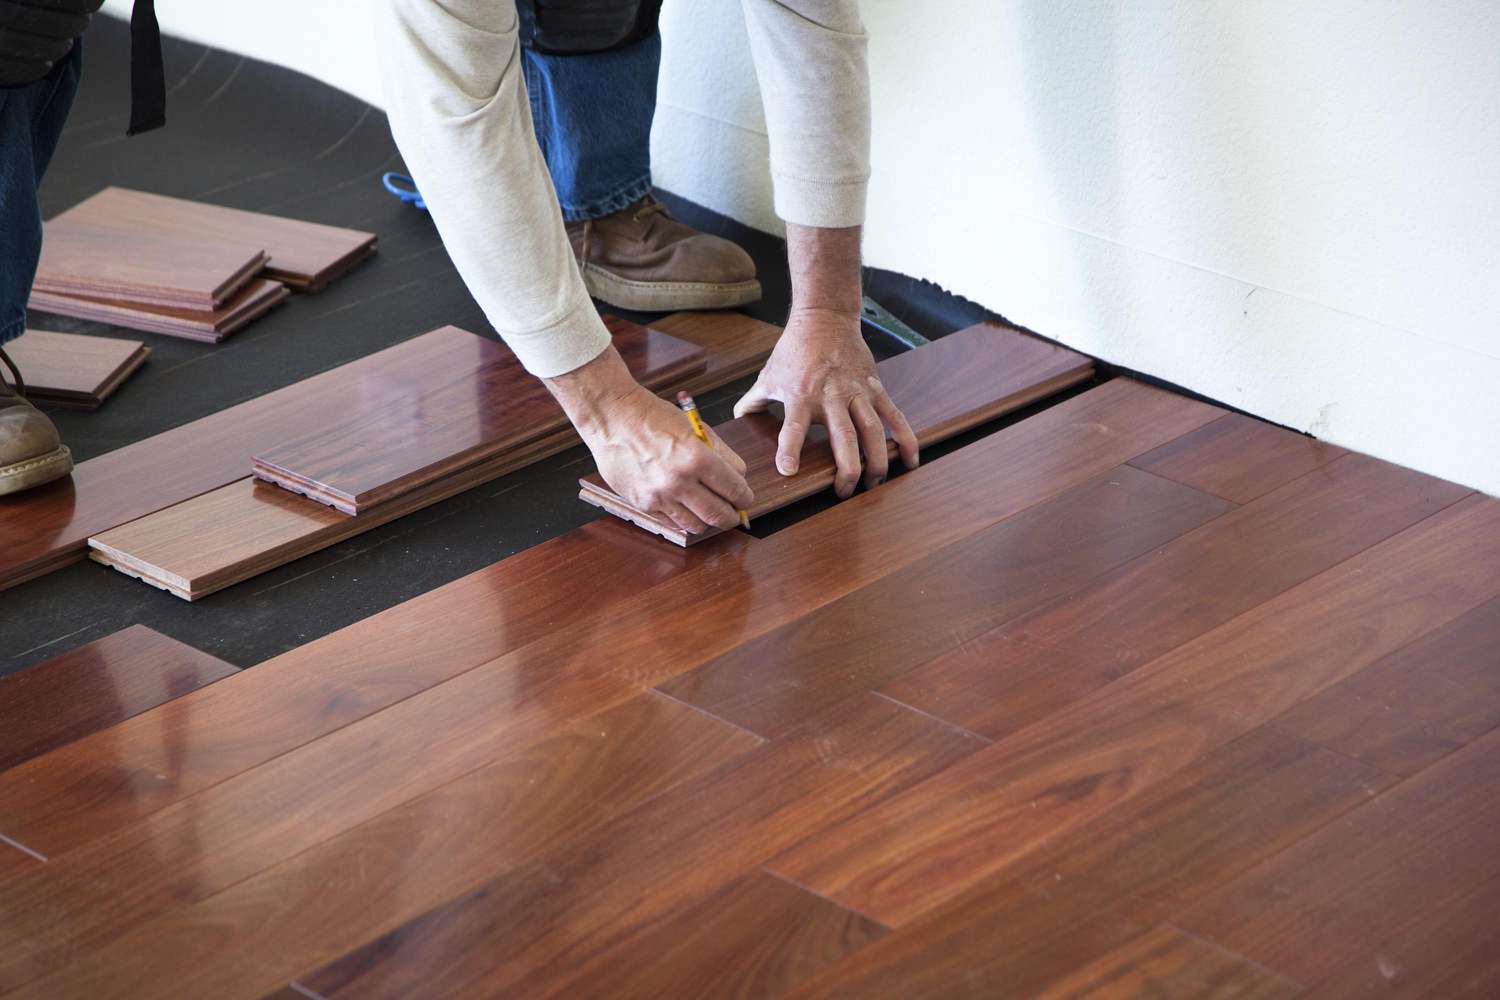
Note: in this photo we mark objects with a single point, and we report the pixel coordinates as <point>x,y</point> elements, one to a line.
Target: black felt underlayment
<point>255,136</point>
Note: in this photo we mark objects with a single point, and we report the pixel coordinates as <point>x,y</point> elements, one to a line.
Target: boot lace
<point>15,373</point>
<point>649,207</point>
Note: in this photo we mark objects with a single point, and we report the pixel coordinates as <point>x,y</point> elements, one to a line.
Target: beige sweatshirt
<point>459,112</point>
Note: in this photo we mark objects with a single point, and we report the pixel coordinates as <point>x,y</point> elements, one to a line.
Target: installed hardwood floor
<point>1247,748</point>
<point>943,388</point>
<point>71,370</point>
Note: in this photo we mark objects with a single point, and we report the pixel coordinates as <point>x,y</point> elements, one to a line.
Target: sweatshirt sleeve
<point>814,78</point>
<point>460,116</point>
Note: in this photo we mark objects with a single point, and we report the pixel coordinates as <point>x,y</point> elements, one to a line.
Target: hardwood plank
<point>1416,705</point>
<point>492,818</point>
<point>1335,896</point>
<point>735,345</point>
<point>777,680</point>
<point>94,786</point>
<point>1166,963</point>
<point>106,261</point>
<point>1238,457</point>
<point>244,529</point>
<point>1451,952</point>
<point>1101,882</point>
<point>430,422</point>
<point>306,255</point>
<point>48,527</point>
<point>544,926</point>
<point>954,383</point>
<point>659,609</point>
<point>67,369</point>
<point>1027,668</point>
<point>239,310</point>
<point>910,854</point>
<point>95,686</point>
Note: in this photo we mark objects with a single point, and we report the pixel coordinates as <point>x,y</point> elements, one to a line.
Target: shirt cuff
<point>825,204</point>
<point>571,342</point>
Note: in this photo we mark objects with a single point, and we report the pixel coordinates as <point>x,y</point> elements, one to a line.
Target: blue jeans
<point>592,114</point>
<point>31,120</point>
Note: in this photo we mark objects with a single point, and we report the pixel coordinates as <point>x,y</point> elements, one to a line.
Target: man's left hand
<point>822,372</point>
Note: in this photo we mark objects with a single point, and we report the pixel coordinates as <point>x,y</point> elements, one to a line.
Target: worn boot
<point>643,259</point>
<point>30,451</point>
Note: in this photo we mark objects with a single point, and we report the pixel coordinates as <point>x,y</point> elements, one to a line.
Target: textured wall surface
<point>1293,208</point>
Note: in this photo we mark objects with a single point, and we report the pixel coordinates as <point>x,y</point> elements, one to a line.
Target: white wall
<point>1291,207</point>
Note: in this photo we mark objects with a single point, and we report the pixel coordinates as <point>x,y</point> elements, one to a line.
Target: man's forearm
<point>825,268</point>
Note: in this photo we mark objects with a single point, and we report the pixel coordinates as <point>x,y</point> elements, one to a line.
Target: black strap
<point>148,77</point>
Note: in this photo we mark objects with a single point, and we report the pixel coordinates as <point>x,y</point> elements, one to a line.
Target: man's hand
<point>646,449</point>
<point>822,372</point>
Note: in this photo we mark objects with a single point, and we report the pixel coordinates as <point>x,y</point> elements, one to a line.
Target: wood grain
<point>246,305</point>
<point>74,371</point>
<point>701,605</point>
<point>617,884</point>
<point>223,537</point>
<point>48,527</point>
<point>1035,664</point>
<point>1449,952</point>
<point>954,383</point>
<point>1083,894</point>
<point>95,686</point>
<point>431,422</point>
<point>860,641</point>
<point>1330,899</point>
<point>909,855</point>
<point>305,255</point>
<point>1416,705</point>
<point>1238,457</point>
<point>1167,964</point>
<point>492,818</point>
<point>105,782</point>
<point>109,261</point>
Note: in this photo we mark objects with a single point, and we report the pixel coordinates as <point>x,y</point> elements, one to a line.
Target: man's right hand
<point>646,449</point>
<point>35,34</point>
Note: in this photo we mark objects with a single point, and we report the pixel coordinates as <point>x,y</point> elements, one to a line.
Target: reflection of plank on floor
<point>944,388</point>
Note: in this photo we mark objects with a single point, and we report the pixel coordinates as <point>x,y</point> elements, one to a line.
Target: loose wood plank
<point>431,423</point>
<point>703,605</point>
<point>1416,705</point>
<point>1098,884</point>
<point>95,686</point>
<point>48,527</point>
<point>908,855</point>
<point>1029,667</point>
<point>305,255</point>
<point>617,880</point>
<point>493,818</point>
<point>1450,952</point>
<point>243,307</point>
<point>1167,963</point>
<point>202,545</point>
<point>774,682</point>
<point>954,383</point>
<point>1335,896</point>
<point>67,369</point>
<point>1238,458</point>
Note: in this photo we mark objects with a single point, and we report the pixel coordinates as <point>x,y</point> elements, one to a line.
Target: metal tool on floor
<point>878,317</point>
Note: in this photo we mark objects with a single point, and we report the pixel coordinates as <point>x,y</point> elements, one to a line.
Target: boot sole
<point>666,296</point>
<point>36,471</point>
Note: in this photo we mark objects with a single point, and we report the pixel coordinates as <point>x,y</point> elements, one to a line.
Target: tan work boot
<point>31,453</point>
<point>643,259</point>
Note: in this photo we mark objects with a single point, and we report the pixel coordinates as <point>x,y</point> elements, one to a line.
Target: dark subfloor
<point>256,136</point>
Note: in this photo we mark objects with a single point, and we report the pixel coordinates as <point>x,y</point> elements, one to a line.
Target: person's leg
<point>592,115</point>
<point>31,122</point>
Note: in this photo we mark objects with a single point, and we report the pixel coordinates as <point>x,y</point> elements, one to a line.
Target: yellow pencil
<point>691,409</point>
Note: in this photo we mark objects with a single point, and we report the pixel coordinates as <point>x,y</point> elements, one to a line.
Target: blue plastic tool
<point>403,187</point>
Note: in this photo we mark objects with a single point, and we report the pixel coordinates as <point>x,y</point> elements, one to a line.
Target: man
<point>462,117</point>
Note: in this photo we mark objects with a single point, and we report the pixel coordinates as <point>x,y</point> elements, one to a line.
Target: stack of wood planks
<point>1131,697</point>
<point>72,370</point>
<point>182,268</point>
